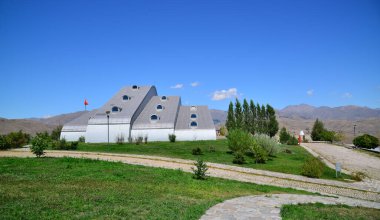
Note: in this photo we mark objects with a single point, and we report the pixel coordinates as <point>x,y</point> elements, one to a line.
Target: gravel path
<point>269,206</point>
<point>366,191</point>
<point>350,159</point>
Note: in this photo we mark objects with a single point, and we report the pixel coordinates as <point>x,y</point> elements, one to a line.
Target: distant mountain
<point>349,112</point>
<point>59,119</point>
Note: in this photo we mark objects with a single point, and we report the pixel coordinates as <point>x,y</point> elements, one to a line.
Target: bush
<point>197,151</point>
<point>120,139</point>
<point>200,170</point>
<point>328,136</point>
<point>313,167</point>
<point>139,140</point>
<point>366,141</point>
<point>239,158</point>
<point>15,140</point>
<point>146,140</point>
<point>64,145</point>
<point>358,176</point>
<point>292,141</point>
<point>259,154</point>
<point>172,138</point>
<point>284,136</point>
<point>56,133</point>
<point>211,149</point>
<point>39,145</point>
<point>82,139</point>
<point>270,145</point>
<point>239,140</point>
<point>4,142</point>
<point>223,131</point>
<point>73,145</point>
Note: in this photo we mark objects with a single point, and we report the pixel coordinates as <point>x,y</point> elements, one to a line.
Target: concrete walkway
<point>269,206</point>
<point>351,160</point>
<point>355,190</point>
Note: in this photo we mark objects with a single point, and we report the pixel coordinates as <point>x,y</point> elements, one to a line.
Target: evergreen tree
<point>264,124</point>
<point>258,119</point>
<point>318,131</point>
<point>246,116</point>
<point>284,136</point>
<point>272,121</point>
<point>252,110</point>
<point>238,115</point>
<point>230,123</point>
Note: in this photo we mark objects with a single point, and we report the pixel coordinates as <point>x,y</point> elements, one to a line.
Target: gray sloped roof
<point>167,116</point>
<point>127,107</point>
<point>80,123</point>
<point>204,119</point>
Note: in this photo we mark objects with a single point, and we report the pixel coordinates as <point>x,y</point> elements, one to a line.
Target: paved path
<point>351,160</point>
<point>269,206</point>
<point>354,190</point>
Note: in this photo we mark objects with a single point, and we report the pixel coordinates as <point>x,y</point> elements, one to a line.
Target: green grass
<point>328,212</point>
<point>68,188</point>
<point>283,162</point>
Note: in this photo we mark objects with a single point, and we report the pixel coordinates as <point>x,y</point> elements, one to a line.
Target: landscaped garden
<point>67,188</point>
<point>289,160</point>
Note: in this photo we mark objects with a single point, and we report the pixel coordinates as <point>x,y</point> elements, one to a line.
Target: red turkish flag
<point>85,102</point>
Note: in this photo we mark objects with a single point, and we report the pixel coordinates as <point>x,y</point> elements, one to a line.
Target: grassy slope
<point>328,212</point>
<point>67,188</point>
<point>283,162</point>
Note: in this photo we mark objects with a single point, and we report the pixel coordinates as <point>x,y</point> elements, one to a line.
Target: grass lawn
<point>283,162</point>
<point>68,188</point>
<point>328,212</point>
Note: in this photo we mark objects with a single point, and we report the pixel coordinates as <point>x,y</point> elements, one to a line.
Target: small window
<point>115,109</point>
<point>154,118</point>
<point>193,124</point>
<point>134,87</point>
<point>126,98</point>
<point>193,116</point>
<point>193,108</point>
<point>164,98</point>
<point>159,107</point>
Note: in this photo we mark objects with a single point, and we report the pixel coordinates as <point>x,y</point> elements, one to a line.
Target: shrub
<point>358,176</point>
<point>64,145</point>
<point>39,145</point>
<point>239,140</point>
<point>82,139</point>
<point>17,139</point>
<point>288,151</point>
<point>120,139</point>
<point>200,170</point>
<point>73,145</point>
<point>270,145</point>
<point>239,158</point>
<point>328,135</point>
<point>146,140</point>
<point>313,167</point>
<point>197,151</point>
<point>284,136</point>
<point>223,131</point>
<point>4,142</point>
<point>366,141</point>
<point>211,149</point>
<point>139,140</point>
<point>56,133</point>
<point>292,141</point>
<point>259,154</point>
<point>172,138</point>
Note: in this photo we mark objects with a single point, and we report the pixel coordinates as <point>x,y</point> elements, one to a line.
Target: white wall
<point>153,134</point>
<point>72,135</point>
<point>195,134</point>
<point>99,133</point>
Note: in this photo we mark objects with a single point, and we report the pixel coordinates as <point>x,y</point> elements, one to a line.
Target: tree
<point>264,123</point>
<point>284,136</point>
<point>317,131</point>
<point>230,123</point>
<point>56,133</point>
<point>39,145</point>
<point>272,121</point>
<point>252,110</point>
<point>258,119</point>
<point>366,141</point>
<point>238,115</point>
<point>239,140</point>
<point>247,116</point>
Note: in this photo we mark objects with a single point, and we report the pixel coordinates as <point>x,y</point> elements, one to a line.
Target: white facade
<point>139,112</point>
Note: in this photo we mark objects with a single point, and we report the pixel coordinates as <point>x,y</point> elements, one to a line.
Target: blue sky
<point>53,54</point>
